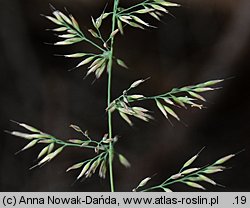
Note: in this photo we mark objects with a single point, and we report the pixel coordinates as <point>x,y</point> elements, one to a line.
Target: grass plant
<point>102,63</point>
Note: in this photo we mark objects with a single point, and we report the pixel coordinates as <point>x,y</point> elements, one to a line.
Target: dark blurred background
<point>206,39</point>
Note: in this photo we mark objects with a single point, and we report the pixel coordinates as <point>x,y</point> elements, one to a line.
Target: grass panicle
<point>100,60</point>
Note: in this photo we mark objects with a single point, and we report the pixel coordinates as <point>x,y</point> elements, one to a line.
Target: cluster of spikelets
<point>177,97</point>
<point>190,176</point>
<point>123,106</point>
<point>69,32</point>
<point>131,16</point>
<point>50,151</point>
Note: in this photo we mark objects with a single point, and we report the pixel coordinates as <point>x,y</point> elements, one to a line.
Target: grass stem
<point>111,146</point>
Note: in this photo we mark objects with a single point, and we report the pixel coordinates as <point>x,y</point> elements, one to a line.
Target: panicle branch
<point>190,176</point>
<point>177,97</point>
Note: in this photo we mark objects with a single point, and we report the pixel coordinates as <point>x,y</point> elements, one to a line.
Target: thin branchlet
<point>54,146</point>
<point>177,97</point>
<point>190,176</point>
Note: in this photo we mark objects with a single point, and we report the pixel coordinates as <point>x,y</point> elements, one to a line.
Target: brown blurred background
<point>207,39</point>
